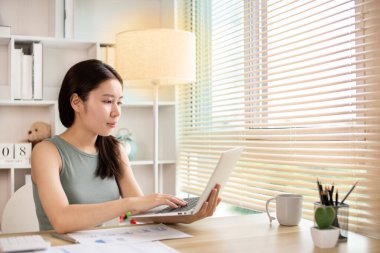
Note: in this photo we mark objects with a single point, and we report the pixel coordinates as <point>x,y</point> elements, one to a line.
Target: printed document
<point>131,234</point>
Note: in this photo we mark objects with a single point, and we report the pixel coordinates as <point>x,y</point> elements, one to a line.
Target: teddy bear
<point>38,132</point>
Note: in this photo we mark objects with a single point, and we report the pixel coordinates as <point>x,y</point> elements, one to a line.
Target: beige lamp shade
<point>165,56</point>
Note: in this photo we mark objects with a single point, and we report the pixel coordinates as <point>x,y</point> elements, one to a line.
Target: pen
<point>336,197</point>
<point>64,237</point>
<point>331,189</point>
<point>325,199</point>
<point>320,191</point>
<point>349,192</point>
<point>126,216</point>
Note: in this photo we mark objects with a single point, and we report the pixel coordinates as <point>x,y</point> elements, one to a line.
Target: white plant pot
<point>325,238</point>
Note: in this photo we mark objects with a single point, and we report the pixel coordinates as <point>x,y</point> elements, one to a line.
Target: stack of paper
<point>141,239</point>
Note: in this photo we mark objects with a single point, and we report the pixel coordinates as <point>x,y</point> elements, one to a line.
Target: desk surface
<point>252,233</point>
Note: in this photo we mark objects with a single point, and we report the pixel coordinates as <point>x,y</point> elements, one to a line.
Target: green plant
<point>324,216</point>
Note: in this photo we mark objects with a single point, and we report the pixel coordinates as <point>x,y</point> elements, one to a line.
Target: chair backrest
<point>19,214</point>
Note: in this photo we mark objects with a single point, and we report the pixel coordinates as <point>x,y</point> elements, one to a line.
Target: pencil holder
<point>341,219</point>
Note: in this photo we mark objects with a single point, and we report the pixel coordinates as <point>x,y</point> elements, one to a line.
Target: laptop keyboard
<point>191,203</point>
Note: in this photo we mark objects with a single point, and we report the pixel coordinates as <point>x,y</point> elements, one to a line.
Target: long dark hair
<point>81,79</point>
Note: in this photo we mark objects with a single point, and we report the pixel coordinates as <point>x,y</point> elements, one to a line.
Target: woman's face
<point>102,109</point>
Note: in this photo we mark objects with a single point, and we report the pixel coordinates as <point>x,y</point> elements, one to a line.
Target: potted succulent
<point>324,234</point>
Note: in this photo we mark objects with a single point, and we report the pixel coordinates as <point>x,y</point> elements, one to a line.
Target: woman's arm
<point>127,182</point>
<point>46,164</point>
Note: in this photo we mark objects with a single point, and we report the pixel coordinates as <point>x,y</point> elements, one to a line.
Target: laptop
<point>222,171</point>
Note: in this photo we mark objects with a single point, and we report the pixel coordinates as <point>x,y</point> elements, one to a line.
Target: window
<point>296,83</point>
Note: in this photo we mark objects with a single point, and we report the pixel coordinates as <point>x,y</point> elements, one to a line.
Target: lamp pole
<point>155,136</point>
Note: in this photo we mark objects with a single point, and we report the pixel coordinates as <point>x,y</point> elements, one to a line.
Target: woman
<point>80,175</point>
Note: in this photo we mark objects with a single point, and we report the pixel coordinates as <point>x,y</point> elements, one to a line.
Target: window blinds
<point>297,84</point>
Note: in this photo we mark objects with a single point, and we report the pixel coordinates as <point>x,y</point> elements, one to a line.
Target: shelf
<point>27,102</point>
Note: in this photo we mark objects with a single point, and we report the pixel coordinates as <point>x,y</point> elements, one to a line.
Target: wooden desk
<point>252,233</point>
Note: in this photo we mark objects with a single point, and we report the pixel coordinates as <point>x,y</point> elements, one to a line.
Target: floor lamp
<point>159,57</point>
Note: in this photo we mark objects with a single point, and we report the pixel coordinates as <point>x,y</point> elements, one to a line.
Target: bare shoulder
<point>45,155</point>
<point>45,148</point>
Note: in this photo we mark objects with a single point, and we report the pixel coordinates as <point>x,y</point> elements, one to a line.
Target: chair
<point>19,214</point>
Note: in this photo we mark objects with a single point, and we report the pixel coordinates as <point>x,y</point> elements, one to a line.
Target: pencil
<point>319,191</point>
<point>332,194</point>
<point>349,192</point>
<point>64,237</point>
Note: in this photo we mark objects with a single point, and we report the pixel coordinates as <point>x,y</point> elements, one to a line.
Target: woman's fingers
<point>213,200</point>
<point>145,203</point>
<point>165,199</point>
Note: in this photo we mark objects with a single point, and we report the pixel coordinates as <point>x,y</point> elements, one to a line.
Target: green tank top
<point>78,180</point>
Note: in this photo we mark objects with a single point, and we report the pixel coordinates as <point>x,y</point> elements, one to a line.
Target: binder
<point>16,73</point>
<point>37,71</point>
<point>27,77</point>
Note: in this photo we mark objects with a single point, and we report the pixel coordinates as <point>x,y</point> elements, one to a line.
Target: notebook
<point>222,171</point>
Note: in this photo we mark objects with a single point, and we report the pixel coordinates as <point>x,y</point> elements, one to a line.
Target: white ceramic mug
<point>288,209</point>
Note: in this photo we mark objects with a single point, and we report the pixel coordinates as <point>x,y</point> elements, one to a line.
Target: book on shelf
<point>37,71</point>
<point>27,77</point>
<point>27,71</point>
<point>16,73</point>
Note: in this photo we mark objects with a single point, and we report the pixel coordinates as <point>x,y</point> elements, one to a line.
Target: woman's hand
<point>208,209</point>
<point>147,202</point>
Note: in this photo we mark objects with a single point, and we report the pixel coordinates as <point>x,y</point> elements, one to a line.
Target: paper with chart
<point>131,234</point>
<point>144,247</point>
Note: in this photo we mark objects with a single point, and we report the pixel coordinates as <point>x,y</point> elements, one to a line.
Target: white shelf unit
<point>42,21</point>
<point>137,117</point>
